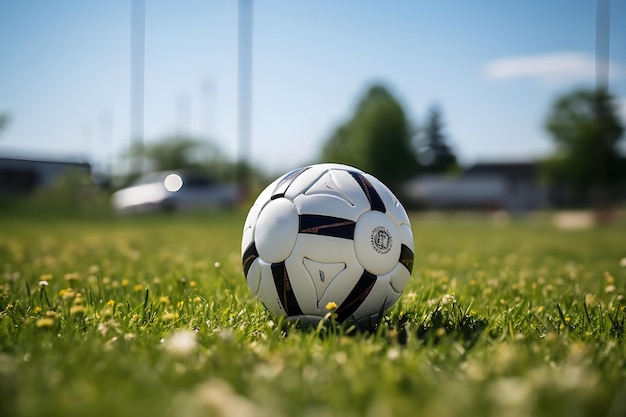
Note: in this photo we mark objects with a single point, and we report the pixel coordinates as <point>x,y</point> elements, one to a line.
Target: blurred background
<point>513,107</point>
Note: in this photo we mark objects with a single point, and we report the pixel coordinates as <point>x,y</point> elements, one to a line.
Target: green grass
<point>513,319</point>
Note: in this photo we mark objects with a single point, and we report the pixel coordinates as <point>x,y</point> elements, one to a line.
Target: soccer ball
<point>327,238</point>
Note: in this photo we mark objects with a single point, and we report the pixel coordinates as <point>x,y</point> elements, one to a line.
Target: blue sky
<point>494,68</point>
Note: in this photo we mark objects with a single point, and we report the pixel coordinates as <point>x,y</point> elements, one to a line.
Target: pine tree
<point>434,154</point>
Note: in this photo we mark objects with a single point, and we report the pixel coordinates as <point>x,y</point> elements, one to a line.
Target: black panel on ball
<point>356,297</point>
<point>406,257</point>
<point>248,257</point>
<point>317,224</point>
<point>284,289</point>
<point>283,184</point>
<point>376,203</point>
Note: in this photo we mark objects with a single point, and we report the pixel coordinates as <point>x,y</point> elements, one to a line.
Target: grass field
<point>152,317</point>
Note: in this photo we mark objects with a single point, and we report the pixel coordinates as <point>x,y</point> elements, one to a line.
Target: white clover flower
<point>222,400</point>
<point>181,342</point>
<point>609,289</point>
<point>108,326</point>
<point>393,354</point>
<point>448,299</point>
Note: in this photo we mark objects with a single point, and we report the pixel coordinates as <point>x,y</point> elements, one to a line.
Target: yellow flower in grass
<point>67,294</point>
<point>45,322</point>
<point>170,316</point>
<point>45,277</point>
<point>137,287</point>
<point>331,306</point>
<point>164,299</point>
<point>71,276</point>
<point>125,282</point>
<point>201,265</point>
<point>78,310</point>
<point>38,309</point>
<point>111,303</point>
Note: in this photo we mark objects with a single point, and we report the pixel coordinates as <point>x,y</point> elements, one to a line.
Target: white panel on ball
<point>253,277</point>
<point>399,278</point>
<point>322,274</point>
<point>253,214</point>
<point>276,230</point>
<point>321,249</point>
<point>406,235</point>
<point>267,293</point>
<point>325,249</point>
<point>339,289</point>
<point>377,242</point>
<point>342,184</point>
<point>318,204</point>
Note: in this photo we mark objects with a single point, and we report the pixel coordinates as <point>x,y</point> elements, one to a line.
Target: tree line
<point>379,138</point>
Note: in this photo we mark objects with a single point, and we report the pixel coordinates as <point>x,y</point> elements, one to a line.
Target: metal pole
<point>603,29</point>
<point>137,56</point>
<point>245,93</point>
<point>601,194</point>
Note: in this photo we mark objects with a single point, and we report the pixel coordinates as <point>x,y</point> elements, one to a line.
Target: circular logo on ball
<point>381,240</point>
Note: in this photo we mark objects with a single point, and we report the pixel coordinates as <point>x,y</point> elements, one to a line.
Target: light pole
<point>137,56</point>
<point>245,93</point>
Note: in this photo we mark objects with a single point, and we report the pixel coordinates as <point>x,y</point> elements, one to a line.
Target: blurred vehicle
<point>174,191</point>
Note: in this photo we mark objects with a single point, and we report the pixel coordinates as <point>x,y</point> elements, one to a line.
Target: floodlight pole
<point>601,196</point>
<point>245,93</point>
<point>137,56</point>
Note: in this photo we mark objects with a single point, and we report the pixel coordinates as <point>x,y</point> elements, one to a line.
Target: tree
<point>180,152</point>
<point>586,129</point>
<point>434,154</point>
<point>376,139</point>
<point>4,121</point>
